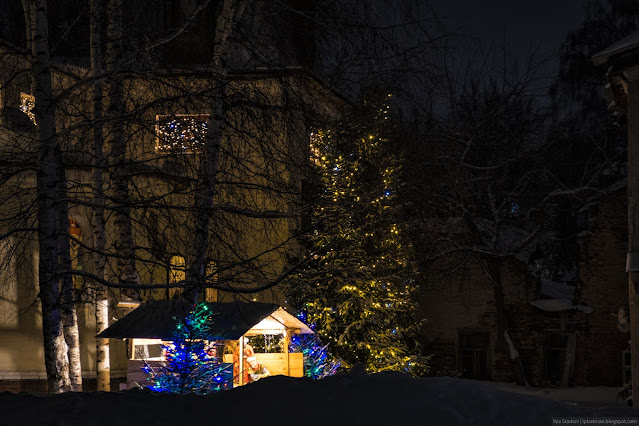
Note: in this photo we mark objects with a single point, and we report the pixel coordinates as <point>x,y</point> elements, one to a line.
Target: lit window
<point>210,294</point>
<point>315,141</point>
<point>177,273</point>
<point>180,134</point>
<point>74,252</point>
<point>147,349</point>
<point>27,103</point>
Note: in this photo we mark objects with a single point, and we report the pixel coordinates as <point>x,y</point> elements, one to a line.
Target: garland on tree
<point>358,289</point>
<point>191,365</point>
<point>318,362</point>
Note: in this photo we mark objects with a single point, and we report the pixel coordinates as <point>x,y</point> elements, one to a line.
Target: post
<point>241,361</point>
<point>287,340</point>
<point>633,230</point>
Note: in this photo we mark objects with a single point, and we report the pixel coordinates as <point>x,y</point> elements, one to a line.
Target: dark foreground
<point>387,399</point>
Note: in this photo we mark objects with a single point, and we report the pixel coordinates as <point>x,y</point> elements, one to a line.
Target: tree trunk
<point>103,365</point>
<point>70,317</point>
<point>55,353</point>
<point>124,243</point>
<point>503,332</point>
<point>198,259</point>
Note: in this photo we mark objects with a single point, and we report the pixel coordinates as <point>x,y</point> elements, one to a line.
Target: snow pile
<point>378,399</point>
<point>594,396</point>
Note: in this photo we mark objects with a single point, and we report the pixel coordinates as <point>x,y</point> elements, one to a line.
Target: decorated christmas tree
<point>191,364</point>
<point>358,288</point>
<point>318,362</point>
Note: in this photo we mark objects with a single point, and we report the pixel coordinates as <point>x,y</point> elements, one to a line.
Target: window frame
<point>476,351</point>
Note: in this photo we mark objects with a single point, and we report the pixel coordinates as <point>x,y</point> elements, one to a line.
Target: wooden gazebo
<point>154,322</point>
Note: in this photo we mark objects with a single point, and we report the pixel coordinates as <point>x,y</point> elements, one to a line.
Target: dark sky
<point>524,24</point>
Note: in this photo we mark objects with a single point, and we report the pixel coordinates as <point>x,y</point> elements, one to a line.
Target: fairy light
<point>189,367</point>
<point>27,105</point>
<point>181,134</point>
<point>356,287</point>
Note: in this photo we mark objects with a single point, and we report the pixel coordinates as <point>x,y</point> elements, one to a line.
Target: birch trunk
<point>124,244</point>
<point>55,353</point>
<point>231,11</point>
<point>503,331</point>
<point>103,366</point>
<point>70,317</point>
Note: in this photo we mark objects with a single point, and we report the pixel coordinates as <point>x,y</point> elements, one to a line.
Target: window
<point>474,355</point>
<point>314,143</point>
<point>556,357</point>
<point>210,294</point>
<point>27,103</point>
<point>177,273</point>
<point>74,252</point>
<point>625,359</point>
<point>181,133</point>
<point>147,349</point>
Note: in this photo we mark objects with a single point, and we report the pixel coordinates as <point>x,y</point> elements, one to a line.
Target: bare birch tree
<point>99,239</point>
<point>230,207</point>
<point>48,168</point>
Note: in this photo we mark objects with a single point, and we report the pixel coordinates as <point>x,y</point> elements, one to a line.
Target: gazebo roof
<point>158,319</point>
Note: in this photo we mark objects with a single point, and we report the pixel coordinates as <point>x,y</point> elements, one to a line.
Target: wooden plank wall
<point>275,363</point>
<point>135,376</point>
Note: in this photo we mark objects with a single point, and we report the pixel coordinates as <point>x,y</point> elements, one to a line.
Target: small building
<point>572,331</point>
<point>147,327</point>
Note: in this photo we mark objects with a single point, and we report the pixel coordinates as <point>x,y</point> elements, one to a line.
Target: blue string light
<point>190,367</point>
<point>318,363</point>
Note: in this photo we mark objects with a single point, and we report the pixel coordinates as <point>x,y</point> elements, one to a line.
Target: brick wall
<point>462,301</point>
<point>604,287</point>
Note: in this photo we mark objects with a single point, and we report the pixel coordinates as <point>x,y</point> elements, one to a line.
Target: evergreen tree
<point>358,288</point>
<point>191,365</point>
<point>318,362</point>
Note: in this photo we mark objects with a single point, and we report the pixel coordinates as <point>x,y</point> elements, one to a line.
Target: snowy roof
<point>559,305</point>
<point>158,319</point>
<point>623,45</point>
<point>555,290</point>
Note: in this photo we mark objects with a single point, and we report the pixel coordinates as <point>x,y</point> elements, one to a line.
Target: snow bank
<point>353,399</point>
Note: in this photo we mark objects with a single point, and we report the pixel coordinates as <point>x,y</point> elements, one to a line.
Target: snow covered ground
<point>595,396</point>
<point>355,399</point>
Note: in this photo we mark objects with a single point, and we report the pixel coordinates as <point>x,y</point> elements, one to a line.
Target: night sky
<point>525,25</point>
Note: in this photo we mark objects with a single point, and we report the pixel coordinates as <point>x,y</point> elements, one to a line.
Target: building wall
<point>21,347</point>
<point>272,167</point>
<point>456,298</point>
<point>604,287</point>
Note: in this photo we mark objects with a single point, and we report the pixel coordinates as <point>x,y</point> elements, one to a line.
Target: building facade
<point>567,333</point>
